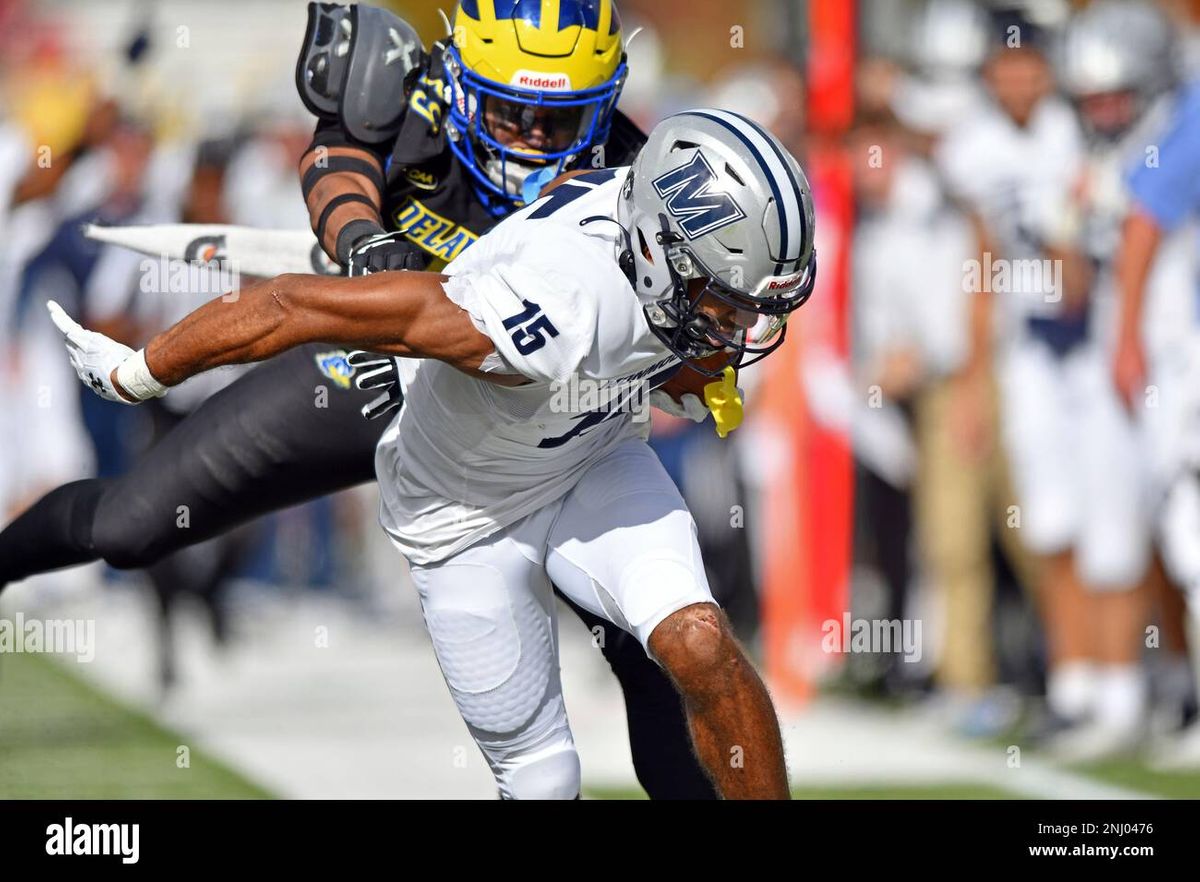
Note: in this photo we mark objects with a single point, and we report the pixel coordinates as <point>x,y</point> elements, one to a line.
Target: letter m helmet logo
<point>690,199</point>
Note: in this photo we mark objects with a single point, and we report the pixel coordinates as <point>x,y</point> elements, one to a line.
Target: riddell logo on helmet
<point>547,82</point>
<point>785,284</point>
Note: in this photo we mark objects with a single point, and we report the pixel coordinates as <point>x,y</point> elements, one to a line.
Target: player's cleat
<point>1182,752</point>
<point>1092,742</point>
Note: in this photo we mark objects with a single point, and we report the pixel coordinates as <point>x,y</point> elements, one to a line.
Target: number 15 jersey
<point>466,457</point>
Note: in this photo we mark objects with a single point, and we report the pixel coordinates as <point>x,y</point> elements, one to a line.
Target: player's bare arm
<point>1139,244</point>
<point>339,194</point>
<point>405,314</point>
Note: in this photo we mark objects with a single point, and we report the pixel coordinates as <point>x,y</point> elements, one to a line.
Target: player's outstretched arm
<point>401,313</point>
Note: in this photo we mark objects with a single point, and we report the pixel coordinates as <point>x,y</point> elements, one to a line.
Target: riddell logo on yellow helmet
<point>540,45</point>
<point>546,82</point>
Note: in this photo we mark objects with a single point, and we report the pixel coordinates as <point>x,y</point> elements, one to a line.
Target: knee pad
<point>497,653</point>
<point>549,773</point>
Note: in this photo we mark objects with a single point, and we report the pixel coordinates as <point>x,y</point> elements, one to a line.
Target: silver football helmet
<point>721,226</point>
<point>948,38</point>
<point>1117,46</point>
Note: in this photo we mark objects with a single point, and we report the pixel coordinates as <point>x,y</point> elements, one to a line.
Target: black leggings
<point>283,434</point>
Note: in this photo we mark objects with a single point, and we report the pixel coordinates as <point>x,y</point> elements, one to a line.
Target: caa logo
<point>689,200</point>
<point>529,79</point>
<point>422,180</point>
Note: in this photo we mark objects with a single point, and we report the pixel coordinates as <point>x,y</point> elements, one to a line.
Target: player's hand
<point>1129,369</point>
<point>694,396</point>
<point>383,252</point>
<point>374,371</point>
<point>971,415</point>
<point>97,360</point>
<point>689,405</point>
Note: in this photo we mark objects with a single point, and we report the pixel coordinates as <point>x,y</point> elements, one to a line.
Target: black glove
<point>385,251</point>
<point>375,371</point>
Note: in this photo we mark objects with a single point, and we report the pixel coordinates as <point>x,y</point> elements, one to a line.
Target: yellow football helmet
<point>533,84</point>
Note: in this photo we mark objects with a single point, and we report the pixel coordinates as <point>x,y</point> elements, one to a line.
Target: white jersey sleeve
<point>543,313</point>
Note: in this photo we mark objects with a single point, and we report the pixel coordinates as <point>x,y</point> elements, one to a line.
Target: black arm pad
<point>334,164</point>
<point>351,234</point>
<point>333,203</point>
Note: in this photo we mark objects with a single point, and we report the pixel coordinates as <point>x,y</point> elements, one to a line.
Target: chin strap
<point>625,259</point>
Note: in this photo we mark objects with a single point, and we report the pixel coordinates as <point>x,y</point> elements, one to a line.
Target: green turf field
<point>1136,776</point>
<point>60,738</point>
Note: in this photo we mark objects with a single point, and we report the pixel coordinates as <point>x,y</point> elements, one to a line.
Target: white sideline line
<point>839,743</point>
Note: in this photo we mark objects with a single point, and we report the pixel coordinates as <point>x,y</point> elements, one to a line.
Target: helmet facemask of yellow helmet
<point>532,88</point>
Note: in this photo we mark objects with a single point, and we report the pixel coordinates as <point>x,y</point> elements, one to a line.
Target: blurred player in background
<point>1156,364</point>
<point>129,304</point>
<point>1116,65</point>
<point>910,345</point>
<point>1009,163</point>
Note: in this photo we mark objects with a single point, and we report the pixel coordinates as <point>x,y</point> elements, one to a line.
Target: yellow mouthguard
<point>722,398</point>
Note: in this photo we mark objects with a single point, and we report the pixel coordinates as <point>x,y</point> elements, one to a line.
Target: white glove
<point>691,406</point>
<point>95,357</point>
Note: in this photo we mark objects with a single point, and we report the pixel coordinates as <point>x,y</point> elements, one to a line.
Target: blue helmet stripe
<point>579,12</point>
<point>523,10</point>
<point>772,178</point>
<point>796,188</point>
<point>584,13</point>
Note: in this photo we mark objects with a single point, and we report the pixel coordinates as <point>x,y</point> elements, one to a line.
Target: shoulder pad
<point>321,68</point>
<point>354,67</point>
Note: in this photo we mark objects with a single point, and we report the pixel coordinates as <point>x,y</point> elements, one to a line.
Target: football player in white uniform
<point>493,486</point>
<point>1114,63</point>
<point>1010,164</point>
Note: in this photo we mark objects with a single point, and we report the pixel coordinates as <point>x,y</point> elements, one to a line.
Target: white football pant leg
<point>1179,525</point>
<point>1113,551</point>
<point>624,543</point>
<point>490,611</point>
<point>1038,430</point>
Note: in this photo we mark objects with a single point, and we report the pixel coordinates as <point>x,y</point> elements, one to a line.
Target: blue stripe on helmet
<point>585,13</point>
<point>787,166</point>
<point>783,229</point>
<point>519,10</point>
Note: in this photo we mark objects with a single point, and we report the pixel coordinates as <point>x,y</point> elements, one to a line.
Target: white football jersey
<point>1017,179</point>
<point>466,457</point>
<point>1103,203</point>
